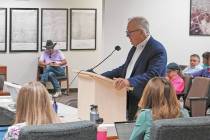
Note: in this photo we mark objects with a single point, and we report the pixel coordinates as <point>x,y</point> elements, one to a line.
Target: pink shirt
<point>178,84</point>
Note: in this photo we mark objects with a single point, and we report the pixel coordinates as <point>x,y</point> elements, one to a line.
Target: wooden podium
<point>98,90</point>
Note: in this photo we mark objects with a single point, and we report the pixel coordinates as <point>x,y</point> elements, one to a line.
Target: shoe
<point>57,94</point>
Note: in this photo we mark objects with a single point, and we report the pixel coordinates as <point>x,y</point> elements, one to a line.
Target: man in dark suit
<point>146,59</point>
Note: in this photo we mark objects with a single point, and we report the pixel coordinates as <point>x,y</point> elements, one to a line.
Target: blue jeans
<point>50,73</point>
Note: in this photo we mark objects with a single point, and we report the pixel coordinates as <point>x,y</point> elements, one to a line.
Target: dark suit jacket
<point>152,62</point>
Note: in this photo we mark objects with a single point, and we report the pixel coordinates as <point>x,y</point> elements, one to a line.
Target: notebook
<point>124,129</point>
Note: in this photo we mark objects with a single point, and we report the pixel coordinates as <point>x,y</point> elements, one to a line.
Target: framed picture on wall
<point>3,29</point>
<point>200,17</point>
<point>54,26</point>
<point>24,29</point>
<point>83,29</point>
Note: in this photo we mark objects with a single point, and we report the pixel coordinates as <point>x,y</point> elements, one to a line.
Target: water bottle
<point>55,106</point>
<point>94,116</point>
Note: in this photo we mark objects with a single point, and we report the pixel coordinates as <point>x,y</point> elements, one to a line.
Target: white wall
<point>22,67</point>
<point>169,23</point>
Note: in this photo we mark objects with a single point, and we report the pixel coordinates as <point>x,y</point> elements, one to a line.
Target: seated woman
<point>158,102</point>
<point>173,74</point>
<point>33,108</point>
<point>206,71</point>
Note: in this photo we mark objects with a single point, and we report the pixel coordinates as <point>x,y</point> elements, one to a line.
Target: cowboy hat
<point>49,44</point>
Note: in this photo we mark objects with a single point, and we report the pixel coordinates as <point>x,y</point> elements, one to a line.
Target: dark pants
<point>132,106</point>
<point>50,73</point>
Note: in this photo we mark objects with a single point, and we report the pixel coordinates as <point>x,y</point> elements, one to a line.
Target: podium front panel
<point>111,103</point>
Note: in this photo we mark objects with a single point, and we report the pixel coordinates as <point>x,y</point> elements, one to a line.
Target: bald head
<point>140,23</point>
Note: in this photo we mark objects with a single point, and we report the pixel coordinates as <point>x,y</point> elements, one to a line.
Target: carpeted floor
<point>70,100</point>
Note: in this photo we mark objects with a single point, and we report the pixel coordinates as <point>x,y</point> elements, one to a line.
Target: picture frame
<point>3,29</point>
<point>83,22</point>
<point>54,26</point>
<point>199,17</point>
<point>24,30</point>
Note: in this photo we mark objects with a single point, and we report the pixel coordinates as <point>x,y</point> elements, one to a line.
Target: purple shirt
<point>57,56</point>
<point>202,73</point>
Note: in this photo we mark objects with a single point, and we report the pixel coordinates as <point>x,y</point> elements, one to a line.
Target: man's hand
<point>120,83</point>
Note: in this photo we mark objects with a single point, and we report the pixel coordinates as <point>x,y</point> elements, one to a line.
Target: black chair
<point>193,128</point>
<point>61,79</point>
<point>81,130</point>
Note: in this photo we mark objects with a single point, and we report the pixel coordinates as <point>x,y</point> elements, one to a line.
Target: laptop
<point>124,129</point>
<point>13,89</point>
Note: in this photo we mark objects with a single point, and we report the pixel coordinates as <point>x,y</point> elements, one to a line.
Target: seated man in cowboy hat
<point>54,64</point>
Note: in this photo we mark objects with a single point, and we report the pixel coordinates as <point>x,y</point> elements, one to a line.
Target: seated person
<point>54,64</point>
<point>157,102</point>
<point>33,108</point>
<point>206,71</point>
<point>194,65</point>
<point>173,74</point>
<point>205,61</point>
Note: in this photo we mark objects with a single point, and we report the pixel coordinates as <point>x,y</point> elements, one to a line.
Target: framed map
<point>24,29</point>
<point>54,26</point>
<point>83,29</point>
<point>3,29</point>
<point>200,17</point>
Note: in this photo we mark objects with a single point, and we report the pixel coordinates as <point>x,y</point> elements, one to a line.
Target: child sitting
<point>173,71</point>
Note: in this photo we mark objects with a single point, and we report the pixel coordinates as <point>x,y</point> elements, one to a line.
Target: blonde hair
<point>34,106</point>
<point>160,96</point>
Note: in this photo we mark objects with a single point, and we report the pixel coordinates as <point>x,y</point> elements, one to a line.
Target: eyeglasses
<point>128,33</point>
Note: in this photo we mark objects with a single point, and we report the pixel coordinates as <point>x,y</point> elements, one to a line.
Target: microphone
<point>117,48</point>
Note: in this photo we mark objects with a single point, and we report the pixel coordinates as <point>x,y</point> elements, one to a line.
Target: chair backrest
<point>187,84</point>
<point>81,130</point>
<point>199,88</point>
<point>198,106</point>
<point>194,128</point>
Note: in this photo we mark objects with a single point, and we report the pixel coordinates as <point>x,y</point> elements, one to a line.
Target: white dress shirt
<point>139,48</point>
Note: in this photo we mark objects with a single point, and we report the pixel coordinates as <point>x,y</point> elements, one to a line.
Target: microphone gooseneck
<point>117,48</point>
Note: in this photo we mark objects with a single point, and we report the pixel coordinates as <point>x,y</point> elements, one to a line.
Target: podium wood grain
<point>99,90</point>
